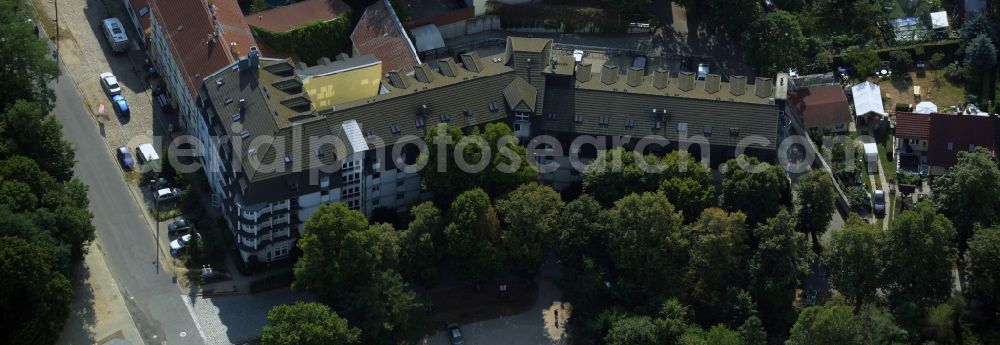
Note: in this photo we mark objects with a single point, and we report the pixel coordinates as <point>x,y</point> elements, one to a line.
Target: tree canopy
<point>473,237</point>
<point>717,266</point>
<point>422,245</point>
<point>36,298</point>
<point>814,204</point>
<point>757,189</point>
<point>648,246</point>
<point>307,324</point>
<point>984,270</point>
<point>529,215</point>
<point>959,195</point>
<point>835,324</point>
<point>778,265</point>
<point>853,263</point>
<point>919,254</point>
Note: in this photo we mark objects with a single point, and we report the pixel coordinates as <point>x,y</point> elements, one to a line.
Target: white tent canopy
<point>926,107</point>
<point>428,37</point>
<point>939,20</point>
<point>867,99</point>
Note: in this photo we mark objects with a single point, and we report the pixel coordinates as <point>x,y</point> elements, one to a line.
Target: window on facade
<point>708,129</point>
<point>420,123</point>
<point>951,146</point>
<point>972,147</point>
<point>603,120</point>
<point>578,118</point>
<point>517,127</point>
<point>399,196</point>
<point>445,118</point>
<point>324,182</point>
<point>552,116</point>
<point>629,123</point>
<point>394,128</point>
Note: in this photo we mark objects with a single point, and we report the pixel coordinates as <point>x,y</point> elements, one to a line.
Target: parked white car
<point>177,245</point>
<point>167,194</point>
<point>110,84</point>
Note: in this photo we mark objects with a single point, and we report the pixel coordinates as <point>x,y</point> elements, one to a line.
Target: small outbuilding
<point>871,157</point>
<point>147,153</point>
<point>939,20</point>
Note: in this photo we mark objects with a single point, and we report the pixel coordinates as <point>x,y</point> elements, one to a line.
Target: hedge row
<point>312,41</point>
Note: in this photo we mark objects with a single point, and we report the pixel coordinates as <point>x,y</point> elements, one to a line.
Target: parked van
<point>115,33</point>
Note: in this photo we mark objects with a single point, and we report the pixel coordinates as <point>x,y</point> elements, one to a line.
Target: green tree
<point>28,130</point>
<point>505,170</point>
<point>442,173</point>
<point>981,54</point>
<point>422,245</point>
<point>473,237</point>
<point>687,184</point>
<point>979,25</point>
<point>307,324</point>
<point>340,253</point>
<point>34,297</point>
<point>834,324</point>
<point>984,270</point>
<point>752,331</point>
<point>27,69</point>
<point>632,330</point>
<point>385,310</point>
<point>775,42</point>
<point>864,60</point>
<point>853,263</point>
<point>648,246</point>
<point>815,203</point>
<point>945,324</point>
<point>581,245</point>
<point>259,6</point>
<point>582,232</point>
<point>778,265</point>
<point>717,262</point>
<point>901,61</point>
<point>508,168</point>
<point>966,195</point>
<point>615,174</point>
<point>759,190</point>
<point>529,214</point>
<point>919,254</point>
<point>937,60</point>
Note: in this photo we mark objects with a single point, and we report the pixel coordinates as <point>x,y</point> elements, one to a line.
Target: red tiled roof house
<point>189,40</point>
<point>936,139</point>
<point>821,107</point>
<point>379,32</point>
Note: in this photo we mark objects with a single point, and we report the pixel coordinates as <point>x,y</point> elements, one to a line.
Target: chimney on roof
<point>323,61</point>
<point>342,57</point>
<point>660,78</point>
<point>234,48</point>
<point>609,74</point>
<point>302,65</point>
<point>634,76</point>
<point>583,72</point>
<point>254,57</point>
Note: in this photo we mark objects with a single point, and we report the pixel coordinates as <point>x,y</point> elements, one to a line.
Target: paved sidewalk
<point>99,314</point>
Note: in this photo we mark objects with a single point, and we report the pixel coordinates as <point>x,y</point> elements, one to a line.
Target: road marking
<point>187,304</point>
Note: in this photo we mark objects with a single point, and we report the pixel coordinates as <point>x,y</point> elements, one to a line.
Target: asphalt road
<point>153,298</point>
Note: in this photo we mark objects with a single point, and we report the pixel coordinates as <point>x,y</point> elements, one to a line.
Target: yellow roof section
<point>327,90</point>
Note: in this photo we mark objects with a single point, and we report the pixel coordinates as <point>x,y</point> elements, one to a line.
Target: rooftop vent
<point>583,72</point>
<point>763,88</point>
<point>288,159</point>
<point>447,67</point>
<point>660,78</point>
<point>737,85</point>
<point>634,76</point>
<point>685,81</point>
<point>609,74</point>
<point>713,83</point>
<point>245,134</point>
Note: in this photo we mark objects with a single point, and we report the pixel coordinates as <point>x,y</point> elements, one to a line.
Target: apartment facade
<point>274,156</point>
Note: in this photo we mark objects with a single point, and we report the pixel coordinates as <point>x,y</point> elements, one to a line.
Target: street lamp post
<point>56,2</point>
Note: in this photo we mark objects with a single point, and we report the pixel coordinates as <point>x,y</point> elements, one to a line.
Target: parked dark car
<point>455,334</point>
<point>179,225</point>
<point>125,158</point>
